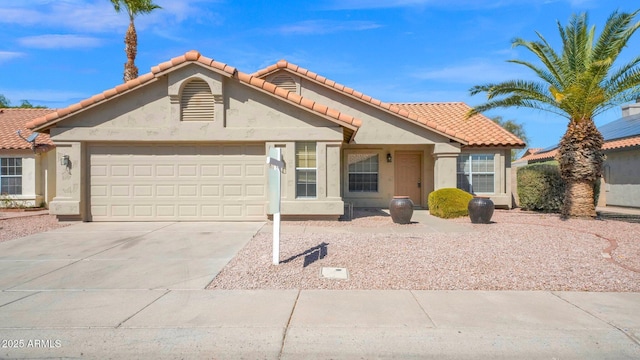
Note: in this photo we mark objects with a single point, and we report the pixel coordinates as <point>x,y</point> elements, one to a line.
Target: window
<point>476,173</point>
<point>11,176</point>
<point>306,170</point>
<point>363,172</point>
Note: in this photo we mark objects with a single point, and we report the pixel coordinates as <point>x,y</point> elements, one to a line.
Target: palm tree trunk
<point>131,49</point>
<point>579,200</point>
<point>580,157</point>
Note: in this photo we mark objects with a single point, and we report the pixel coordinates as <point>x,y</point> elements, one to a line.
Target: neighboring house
<point>26,175</point>
<point>621,168</point>
<point>188,141</point>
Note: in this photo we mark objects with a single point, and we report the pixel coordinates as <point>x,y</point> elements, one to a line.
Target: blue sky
<point>56,53</point>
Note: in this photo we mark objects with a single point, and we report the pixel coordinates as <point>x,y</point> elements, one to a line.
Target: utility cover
<point>334,273</point>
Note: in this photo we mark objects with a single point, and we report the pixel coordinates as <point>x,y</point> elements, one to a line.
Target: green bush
<point>449,203</point>
<point>540,187</point>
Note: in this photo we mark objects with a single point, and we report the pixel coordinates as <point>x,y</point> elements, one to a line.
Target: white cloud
<point>53,41</point>
<point>321,27</point>
<point>9,55</point>
<point>96,16</point>
<point>477,72</point>
<point>454,4</point>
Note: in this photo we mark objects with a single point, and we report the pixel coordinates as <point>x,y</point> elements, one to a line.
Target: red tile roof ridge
<point>195,56</point>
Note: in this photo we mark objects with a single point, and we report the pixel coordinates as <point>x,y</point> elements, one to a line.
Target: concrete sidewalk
<point>318,324</point>
<point>136,290</point>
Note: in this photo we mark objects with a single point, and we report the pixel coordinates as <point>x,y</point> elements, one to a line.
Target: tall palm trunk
<point>580,156</point>
<point>130,48</point>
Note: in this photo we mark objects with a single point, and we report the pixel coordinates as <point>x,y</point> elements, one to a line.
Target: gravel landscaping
<point>519,251</point>
<point>12,228</point>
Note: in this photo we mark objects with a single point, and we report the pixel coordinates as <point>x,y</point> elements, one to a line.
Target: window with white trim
<point>476,173</point>
<point>306,170</point>
<point>363,172</point>
<point>11,176</point>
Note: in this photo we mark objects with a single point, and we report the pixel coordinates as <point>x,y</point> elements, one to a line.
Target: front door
<point>408,175</point>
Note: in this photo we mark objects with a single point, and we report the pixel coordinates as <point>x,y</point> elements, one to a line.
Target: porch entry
<point>408,175</point>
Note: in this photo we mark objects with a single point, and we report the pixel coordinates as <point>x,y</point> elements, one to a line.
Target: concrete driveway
<point>144,256</point>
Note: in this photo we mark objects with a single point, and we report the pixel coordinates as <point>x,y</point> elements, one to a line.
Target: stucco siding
<point>622,178</point>
<point>386,174</point>
<point>35,185</point>
<point>378,126</point>
<point>502,195</point>
<point>148,114</point>
<point>328,201</point>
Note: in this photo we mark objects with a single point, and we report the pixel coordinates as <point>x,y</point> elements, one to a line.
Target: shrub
<point>449,203</point>
<point>9,202</point>
<point>540,187</point>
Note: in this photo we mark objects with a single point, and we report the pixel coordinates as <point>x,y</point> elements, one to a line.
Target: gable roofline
<point>386,107</point>
<point>194,57</point>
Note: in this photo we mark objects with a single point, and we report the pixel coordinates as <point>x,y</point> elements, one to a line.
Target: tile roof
<point>448,119</point>
<point>478,129</point>
<point>14,119</point>
<point>608,145</point>
<point>195,57</point>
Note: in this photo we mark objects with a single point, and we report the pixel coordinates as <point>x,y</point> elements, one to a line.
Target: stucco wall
<point>386,178</point>
<point>148,114</point>
<point>502,197</point>
<point>328,201</point>
<point>36,182</point>
<point>622,178</point>
<point>378,126</point>
<point>152,114</point>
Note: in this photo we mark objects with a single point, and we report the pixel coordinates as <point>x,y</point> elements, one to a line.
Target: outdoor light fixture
<point>64,161</point>
<point>389,157</point>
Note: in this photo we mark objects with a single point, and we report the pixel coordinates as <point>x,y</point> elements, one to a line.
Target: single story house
<point>621,168</point>
<point>188,141</point>
<point>27,169</point>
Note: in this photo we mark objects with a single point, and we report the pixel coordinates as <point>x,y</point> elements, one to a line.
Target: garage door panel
<point>255,191</point>
<point>255,170</point>
<point>143,210</point>
<point>138,183</point>
<point>210,191</point>
<point>142,171</point>
<point>210,171</point>
<point>232,170</point>
<point>143,190</point>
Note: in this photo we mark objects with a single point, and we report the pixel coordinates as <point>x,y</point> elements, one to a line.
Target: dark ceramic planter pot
<point>480,210</point>
<point>401,209</point>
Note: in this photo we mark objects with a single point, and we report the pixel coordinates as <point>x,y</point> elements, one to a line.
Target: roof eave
<point>364,101</point>
<point>91,103</point>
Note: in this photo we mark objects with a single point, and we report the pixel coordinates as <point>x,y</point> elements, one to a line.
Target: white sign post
<point>275,174</point>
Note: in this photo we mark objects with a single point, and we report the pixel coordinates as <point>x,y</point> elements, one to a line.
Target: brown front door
<point>408,175</point>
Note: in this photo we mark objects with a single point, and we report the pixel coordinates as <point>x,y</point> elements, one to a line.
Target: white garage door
<point>176,182</point>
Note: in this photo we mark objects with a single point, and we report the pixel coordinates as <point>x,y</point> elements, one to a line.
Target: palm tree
<point>134,8</point>
<point>579,83</point>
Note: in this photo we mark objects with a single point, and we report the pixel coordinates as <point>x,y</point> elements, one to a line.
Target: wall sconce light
<point>389,157</point>
<point>64,161</point>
